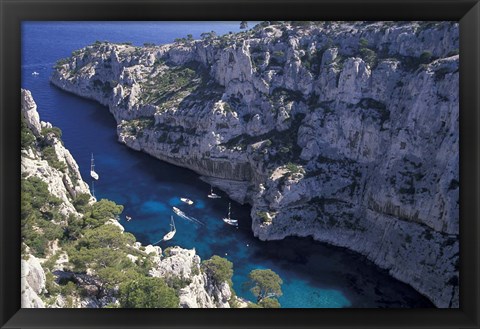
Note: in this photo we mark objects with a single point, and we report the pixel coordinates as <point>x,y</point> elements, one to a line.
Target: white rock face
<point>64,184</point>
<point>201,292</point>
<point>32,283</point>
<point>29,111</point>
<point>347,132</point>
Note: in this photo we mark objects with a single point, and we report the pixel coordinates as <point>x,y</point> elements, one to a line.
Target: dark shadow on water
<point>326,266</point>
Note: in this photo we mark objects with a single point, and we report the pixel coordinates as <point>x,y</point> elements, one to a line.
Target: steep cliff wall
<point>45,275</point>
<point>347,132</point>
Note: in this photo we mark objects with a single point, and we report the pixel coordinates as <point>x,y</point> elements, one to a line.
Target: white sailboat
<point>187,201</point>
<point>92,170</point>
<point>229,220</point>
<point>172,232</point>
<point>213,195</point>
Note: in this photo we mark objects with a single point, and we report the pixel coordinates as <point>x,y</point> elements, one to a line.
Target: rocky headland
<point>48,278</point>
<point>343,131</point>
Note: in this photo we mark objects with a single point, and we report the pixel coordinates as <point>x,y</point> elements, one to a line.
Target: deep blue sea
<point>314,275</point>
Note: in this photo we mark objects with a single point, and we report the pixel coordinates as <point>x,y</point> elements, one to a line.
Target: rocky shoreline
<point>346,132</point>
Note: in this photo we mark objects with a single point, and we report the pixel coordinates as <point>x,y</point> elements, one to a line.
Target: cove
<point>315,275</point>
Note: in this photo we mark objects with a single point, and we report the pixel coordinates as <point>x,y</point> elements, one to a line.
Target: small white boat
<point>213,195</point>
<point>128,218</point>
<point>35,73</point>
<point>187,201</point>
<point>184,216</point>
<point>178,211</point>
<point>229,220</point>
<point>172,232</point>
<point>92,169</point>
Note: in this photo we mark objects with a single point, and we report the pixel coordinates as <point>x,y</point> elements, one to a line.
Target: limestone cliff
<point>44,278</point>
<point>344,131</point>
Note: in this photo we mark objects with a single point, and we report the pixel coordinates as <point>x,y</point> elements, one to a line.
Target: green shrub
<point>27,139</point>
<point>264,216</point>
<point>363,43</point>
<point>38,245</point>
<point>51,231</point>
<point>74,228</point>
<point>195,270</point>
<point>50,263</point>
<point>59,64</point>
<point>68,289</point>
<point>38,208</point>
<point>50,284</point>
<point>369,56</point>
<point>102,211</point>
<point>50,156</point>
<point>425,56</point>
<point>293,168</point>
<point>81,202</point>
<point>227,107</point>
<point>177,283</point>
<point>219,269</point>
<point>99,259</point>
<point>55,130</point>
<point>147,292</point>
<point>105,236</point>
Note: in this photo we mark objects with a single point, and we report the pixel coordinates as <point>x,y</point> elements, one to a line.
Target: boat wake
<point>191,219</point>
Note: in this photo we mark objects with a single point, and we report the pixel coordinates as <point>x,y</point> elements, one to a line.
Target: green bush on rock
<point>219,269</point>
<point>147,292</point>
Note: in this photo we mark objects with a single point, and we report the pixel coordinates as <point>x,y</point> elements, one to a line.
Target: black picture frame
<point>13,12</point>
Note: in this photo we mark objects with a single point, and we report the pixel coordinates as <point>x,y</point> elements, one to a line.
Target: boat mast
<point>92,165</point>
<point>93,188</point>
<point>228,210</point>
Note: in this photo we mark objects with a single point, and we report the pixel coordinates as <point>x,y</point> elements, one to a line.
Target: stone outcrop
<point>200,291</point>
<point>65,182</point>
<point>347,132</point>
<point>32,283</point>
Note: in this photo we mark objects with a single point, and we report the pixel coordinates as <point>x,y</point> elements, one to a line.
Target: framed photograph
<point>240,164</point>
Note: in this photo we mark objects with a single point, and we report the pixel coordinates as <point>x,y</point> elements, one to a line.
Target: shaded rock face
<point>347,132</point>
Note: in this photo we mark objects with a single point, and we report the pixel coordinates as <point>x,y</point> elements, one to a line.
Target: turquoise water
<point>314,274</point>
